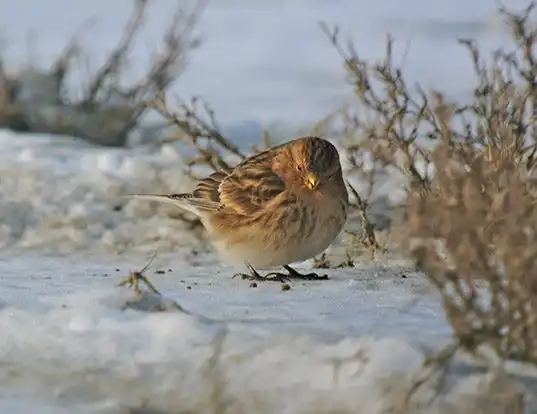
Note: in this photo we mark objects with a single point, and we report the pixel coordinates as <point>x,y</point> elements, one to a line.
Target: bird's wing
<point>205,196</point>
<point>249,188</point>
<point>245,190</point>
<point>207,188</point>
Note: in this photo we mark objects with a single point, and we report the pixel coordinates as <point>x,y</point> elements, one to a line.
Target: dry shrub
<point>195,123</point>
<point>109,107</point>
<point>471,199</point>
<point>474,236</point>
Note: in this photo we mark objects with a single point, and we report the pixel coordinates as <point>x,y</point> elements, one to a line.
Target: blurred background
<point>75,78</point>
<point>263,62</point>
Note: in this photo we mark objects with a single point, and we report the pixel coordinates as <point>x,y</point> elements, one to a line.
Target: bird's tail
<point>185,201</point>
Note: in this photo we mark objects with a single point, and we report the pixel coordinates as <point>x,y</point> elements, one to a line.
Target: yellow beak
<point>311,181</point>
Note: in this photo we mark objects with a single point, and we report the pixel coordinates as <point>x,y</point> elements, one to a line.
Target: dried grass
<point>469,170</point>
<point>109,108</point>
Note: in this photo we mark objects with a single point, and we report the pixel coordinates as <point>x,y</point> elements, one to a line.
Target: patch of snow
<point>61,194</point>
<point>340,346</point>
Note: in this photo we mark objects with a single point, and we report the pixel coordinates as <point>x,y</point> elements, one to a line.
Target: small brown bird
<point>283,205</point>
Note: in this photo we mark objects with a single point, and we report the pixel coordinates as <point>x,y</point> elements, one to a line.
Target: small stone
<point>285,287</point>
<point>253,285</point>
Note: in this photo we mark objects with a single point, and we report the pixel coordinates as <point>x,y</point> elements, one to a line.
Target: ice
<point>73,342</point>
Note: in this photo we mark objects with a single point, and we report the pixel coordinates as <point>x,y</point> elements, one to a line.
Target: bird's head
<point>308,162</point>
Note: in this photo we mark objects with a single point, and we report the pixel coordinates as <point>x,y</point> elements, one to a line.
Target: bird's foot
<point>255,276</point>
<point>133,280</point>
<point>278,276</point>
<point>294,274</point>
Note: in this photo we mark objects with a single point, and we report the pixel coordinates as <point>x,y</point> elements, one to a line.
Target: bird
<point>283,205</point>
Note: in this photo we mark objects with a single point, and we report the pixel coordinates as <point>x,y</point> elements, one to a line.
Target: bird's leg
<point>293,274</point>
<point>254,275</point>
<point>277,276</point>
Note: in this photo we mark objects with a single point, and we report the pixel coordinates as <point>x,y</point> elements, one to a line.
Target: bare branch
<point>71,52</point>
<point>117,57</point>
<point>471,200</point>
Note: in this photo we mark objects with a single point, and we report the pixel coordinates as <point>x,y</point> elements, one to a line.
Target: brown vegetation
<point>39,100</point>
<point>472,196</point>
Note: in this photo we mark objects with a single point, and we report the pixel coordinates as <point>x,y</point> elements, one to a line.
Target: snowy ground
<point>343,345</point>
<point>74,342</point>
<point>346,345</point>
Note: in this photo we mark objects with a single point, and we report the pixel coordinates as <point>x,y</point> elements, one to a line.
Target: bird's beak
<point>311,181</point>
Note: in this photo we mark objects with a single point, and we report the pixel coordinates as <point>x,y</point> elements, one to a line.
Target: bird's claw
<point>255,276</point>
<point>308,276</point>
<point>293,274</point>
<point>269,277</point>
<point>278,276</point>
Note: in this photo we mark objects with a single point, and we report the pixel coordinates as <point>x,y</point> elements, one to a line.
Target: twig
<point>116,58</point>
<point>368,238</point>
<point>134,278</point>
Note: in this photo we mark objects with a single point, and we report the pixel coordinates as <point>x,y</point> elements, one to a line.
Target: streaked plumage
<point>283,205</point>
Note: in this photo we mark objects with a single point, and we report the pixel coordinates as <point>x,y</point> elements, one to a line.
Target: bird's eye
<point>299,167</point>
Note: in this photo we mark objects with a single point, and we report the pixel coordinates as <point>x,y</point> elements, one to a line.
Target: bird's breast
<point>288,232</point>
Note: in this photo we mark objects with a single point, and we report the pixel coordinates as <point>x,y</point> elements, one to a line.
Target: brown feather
<point>246,189</point>
<point>207,188</point>
<point>249,189</point>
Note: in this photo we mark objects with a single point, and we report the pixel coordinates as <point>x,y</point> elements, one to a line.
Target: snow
<point>341,346</point>
<point>59,194</point>
<point>73,342</point>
